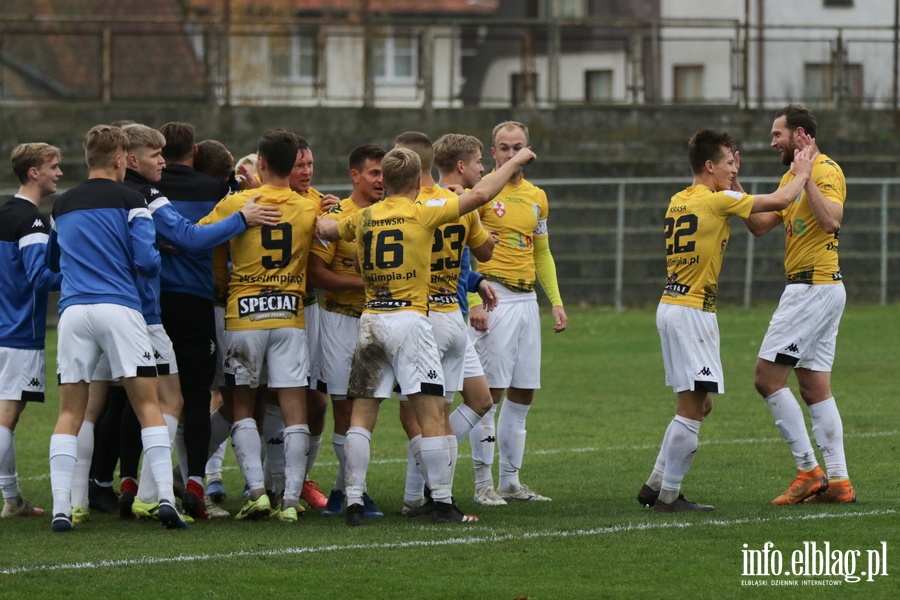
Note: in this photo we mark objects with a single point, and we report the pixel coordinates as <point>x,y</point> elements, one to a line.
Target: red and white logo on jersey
<point>499,208</point>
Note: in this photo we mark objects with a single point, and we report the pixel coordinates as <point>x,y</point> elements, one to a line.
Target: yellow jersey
<point>340,256</point>
<point>268,264</point>
<point>697,232</point>
<point>315,196</point>
<point>394,240</point>
<point>516,216</point>
<point>811,254</point>
<point>446,252</point>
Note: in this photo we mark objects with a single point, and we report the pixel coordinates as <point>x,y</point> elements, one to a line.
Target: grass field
<point>593,436</point>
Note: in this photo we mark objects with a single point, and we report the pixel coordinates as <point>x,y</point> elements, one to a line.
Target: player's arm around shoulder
<point>486,189</point>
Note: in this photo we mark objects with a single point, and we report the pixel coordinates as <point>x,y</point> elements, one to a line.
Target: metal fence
<point>446,63</point>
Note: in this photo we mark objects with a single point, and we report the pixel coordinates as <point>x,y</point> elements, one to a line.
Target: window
<point>821,85</point>
<point>395,57</point>
<point>523,94</point>
<point>688,83</point>
<point>292,57</point>
<point>598,86</point>
<point>568,9</point>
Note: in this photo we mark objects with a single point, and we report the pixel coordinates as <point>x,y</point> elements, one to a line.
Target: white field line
<point>487,537</point>
<point>655,446</point>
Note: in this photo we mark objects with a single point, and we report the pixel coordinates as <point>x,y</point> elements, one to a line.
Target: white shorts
<point>86,331</point>
<point>312,314</point>
<point>23,374</point>
<point>219,377</point>
<point>163,354</point>
<point>277,357</point>
<point>510,350</point>
<point>803,331</point>
<point>472,366</point>
<point>395,348</point>
<point>337,350</point>
<point>450,334</point>
<point>690,349</point>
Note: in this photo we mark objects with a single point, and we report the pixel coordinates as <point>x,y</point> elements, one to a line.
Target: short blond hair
<point>102,143</point>
<point>508,125</point>
<point>454,147</point>
<point>141,136</point>
<point>32,154</point>
<point>401,169</point>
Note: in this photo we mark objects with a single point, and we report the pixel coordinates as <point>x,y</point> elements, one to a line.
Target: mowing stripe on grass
<point>654,446</point>
<point>455,541</point>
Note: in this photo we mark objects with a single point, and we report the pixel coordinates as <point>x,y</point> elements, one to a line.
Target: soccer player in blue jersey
<point>24,283</point>
<point>102,238</point>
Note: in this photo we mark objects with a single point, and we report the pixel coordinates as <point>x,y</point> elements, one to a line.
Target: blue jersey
<point>24,278</point>
<point>468,282</point>
<point>101,239</point>
<point>193,195</point>
<point>176,231</point>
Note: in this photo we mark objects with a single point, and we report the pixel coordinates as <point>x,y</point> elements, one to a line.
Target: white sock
<point>357,453</point>
<point>296,449</point>
<point>9,480</point>
<point>147,490</point>
<point>158,452</point>
<point>414,490</point>
<point>246,444</point>
<point>273,434</point>
<point>462,421</point>
<point>82,471</point>
<point>453,442</point>
<point>829,433</point>
<point>63,455</point>
<point>219,430</point>
<point>483,440</point>
<point>511,440</point>
<point>214,464</point>
<point>315,442</point>
<point>436,458</point>
<point>337,442</point>
<point>655,480</point>
<point>789,420</point>
<point>680,449</point>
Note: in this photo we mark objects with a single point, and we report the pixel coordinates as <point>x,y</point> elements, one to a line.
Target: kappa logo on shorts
<point>34,382</point>
<point>212,347</point>
<point>37,223</point>
<point>792,348</point>
<point>156,355</point>
<point>432,374</point>
<point>146,356</point>
<point>705,372</point>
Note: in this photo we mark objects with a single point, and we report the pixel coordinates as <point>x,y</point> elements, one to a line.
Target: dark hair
<point>214,159</point>
<point>358,155</point>
<point>302,144</point>
<point>795,116</point>
<point>279,147</point>
<point>706,145</point>
<point>179,140</point>
<point>419,143</point>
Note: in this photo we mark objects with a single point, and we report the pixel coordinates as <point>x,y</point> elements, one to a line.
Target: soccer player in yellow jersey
<point>265,339</point>
<point>803,331</point>
<point>444,313</point>
<point>396,340</point>
<point>332,268</point>
<point>510,348</point>
<point>697,232</point>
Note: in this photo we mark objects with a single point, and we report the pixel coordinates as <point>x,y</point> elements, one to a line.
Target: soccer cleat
<point>355,515</point>
<point>192,500</point>
<point>335,505</point>
<point>421,512</point>
<point>80,515</point>
<point>370,508</point>
<point>213,510</point>
<point>177,481</point>
<point>804,485</point>
<point>62,523</point>
<point>838,491</point>
<point>487,496</point>
<point>449,512</point>
<point>144,510</point>
<point>254,510</point>
<point>311,494</point>
<point>524,493</point>
<point>289,514</point>
<point>409,506</point>
<point>215,491</point>
<point>680,504</point>
<point>103,498</point>
<point>647,496</point>
<point>19,507</point>
<point>169,516</point>
<point>126,500</point>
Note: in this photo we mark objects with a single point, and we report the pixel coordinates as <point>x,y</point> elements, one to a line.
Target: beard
<point>787,157</point>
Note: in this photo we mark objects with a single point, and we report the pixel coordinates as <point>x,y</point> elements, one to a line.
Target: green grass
<point>593,436</point>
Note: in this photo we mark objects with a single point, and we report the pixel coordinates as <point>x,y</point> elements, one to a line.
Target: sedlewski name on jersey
<point>268,306</point>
